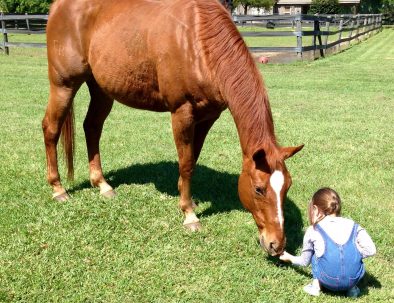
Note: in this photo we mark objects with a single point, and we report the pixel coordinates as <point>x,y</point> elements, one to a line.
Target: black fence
<point>388,19</point>
<point>342,29</point>
<point>21,24</point>
<point>318,28</point>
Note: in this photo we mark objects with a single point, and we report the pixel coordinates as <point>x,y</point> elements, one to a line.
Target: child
<point>334,245</point>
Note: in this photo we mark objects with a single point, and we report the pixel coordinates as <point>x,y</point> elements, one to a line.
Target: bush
<point>387,7</point>
<point>324,7</point>
<point>25,6</point>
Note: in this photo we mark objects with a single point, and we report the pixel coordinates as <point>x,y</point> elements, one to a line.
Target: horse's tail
<point>68,138</point>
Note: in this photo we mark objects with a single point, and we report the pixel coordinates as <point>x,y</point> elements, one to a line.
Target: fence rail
<point>21,24</point>
<point>320,27</point>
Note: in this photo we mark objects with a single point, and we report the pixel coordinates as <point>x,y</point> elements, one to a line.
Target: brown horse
<point>181,56</point>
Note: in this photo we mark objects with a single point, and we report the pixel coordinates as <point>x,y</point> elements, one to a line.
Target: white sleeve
<point>307,250</point>
<point>364,243</point>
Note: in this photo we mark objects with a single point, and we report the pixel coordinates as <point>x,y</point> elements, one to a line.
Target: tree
<point>267,4</point>
<point>324,7</point>
<point>370,6</point>
<point>387,7</point>
<point>3,6</point>
<point>25,6</point>
<point>377,6</point>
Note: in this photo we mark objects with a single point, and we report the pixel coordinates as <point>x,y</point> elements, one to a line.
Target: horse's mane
<point>239,80</point>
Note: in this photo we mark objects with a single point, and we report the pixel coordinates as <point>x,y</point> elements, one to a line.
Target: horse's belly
<point>133,85</point>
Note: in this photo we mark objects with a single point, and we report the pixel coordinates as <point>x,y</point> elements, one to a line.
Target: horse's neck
<point>252,116</point>
<point>234,73</point>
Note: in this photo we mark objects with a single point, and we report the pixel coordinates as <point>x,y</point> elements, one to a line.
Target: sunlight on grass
<point>134,248</point>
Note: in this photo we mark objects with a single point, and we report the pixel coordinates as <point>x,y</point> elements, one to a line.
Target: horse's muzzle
<point>273,247</point>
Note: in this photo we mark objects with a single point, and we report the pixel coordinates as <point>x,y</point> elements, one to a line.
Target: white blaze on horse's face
<point>277,181</point>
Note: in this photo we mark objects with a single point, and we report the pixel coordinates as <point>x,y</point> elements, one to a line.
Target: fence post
<point>27,22</point>
<point>376,23</point>
<point>316,29</point>
<point>326,37</point>
<point>380,22</point>
<point>372,25</point>
<point>340,32</point>
<point>299,36</point>
<point>5,36</point>
<point>364,26</point>
<point>350,32</point>
<point>358,28</point>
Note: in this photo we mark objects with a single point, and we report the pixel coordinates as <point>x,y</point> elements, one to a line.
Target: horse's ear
<point>260,160</point>
<point>288,152</point>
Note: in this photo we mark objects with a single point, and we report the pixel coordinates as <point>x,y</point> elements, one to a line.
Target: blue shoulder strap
<point>325,236</point>
<point>322,232</point>
<point>353,234</point>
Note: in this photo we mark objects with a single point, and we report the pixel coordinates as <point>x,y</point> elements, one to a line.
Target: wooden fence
<point>344,28</point>
<point>21,24</point>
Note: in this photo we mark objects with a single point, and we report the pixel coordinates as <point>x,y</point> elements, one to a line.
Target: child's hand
<point>286,257</point>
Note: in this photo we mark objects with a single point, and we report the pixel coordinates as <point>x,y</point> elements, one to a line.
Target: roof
<point>301,2</point>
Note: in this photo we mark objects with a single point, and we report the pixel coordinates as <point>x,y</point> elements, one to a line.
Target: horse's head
<point>262,189</point>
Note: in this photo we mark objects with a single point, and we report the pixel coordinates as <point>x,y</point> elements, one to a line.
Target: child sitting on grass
<point>334,245</point>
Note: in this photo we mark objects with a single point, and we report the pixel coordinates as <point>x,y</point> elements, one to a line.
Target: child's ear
<point>316,214</point>
<point>315,209</point>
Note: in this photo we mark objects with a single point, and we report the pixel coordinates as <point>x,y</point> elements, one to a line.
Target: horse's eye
<point>260,191</point>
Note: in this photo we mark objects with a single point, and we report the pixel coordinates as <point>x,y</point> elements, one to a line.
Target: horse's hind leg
<point>59,106</point>
<point>99,108</point>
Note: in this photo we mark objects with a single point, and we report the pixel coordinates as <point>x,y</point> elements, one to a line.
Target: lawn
<point>134,249</point>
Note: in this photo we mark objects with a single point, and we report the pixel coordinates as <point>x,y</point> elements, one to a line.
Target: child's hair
<point>327,202</point>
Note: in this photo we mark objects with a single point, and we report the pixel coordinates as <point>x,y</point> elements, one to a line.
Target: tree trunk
<point>245,9</point>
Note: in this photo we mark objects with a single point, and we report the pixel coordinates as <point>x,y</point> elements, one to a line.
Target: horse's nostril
<point>274,246</point>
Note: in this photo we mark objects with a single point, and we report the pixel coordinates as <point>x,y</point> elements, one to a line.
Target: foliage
<point>324,7</point>
<point>377,6</point>
<point>387,7</point>
<point>267,4</point>
<point>25,6</point>
<point>370,6</point>
<point>3,6</point>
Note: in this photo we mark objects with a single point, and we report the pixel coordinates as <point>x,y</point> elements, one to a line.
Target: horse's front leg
<point>183,128</point>
<point>99,108</point>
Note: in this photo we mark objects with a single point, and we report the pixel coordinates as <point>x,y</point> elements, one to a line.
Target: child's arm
<point>364,243</point>
<point>303,260</point>
<point>306,255</point>
<point>286,257</point>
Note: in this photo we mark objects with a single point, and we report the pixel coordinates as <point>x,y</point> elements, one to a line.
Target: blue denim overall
<point>340,267</point>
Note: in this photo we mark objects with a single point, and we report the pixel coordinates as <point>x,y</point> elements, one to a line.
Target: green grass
<point>134,248</point>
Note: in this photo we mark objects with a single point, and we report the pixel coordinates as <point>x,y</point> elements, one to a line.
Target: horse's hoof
<point>109,194</point>
<point>61,197</point>
<point>193,226</point>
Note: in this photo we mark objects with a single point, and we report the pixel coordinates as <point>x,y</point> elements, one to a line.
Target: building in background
<point>292,7</point>
<point>253,11</point>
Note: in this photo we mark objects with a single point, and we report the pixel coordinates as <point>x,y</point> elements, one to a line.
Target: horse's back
<point>143,53</point>
<point>68,28</point>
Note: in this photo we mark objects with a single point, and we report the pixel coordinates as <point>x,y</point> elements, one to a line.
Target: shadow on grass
<point>367,281</point>
<point>219,188</point>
